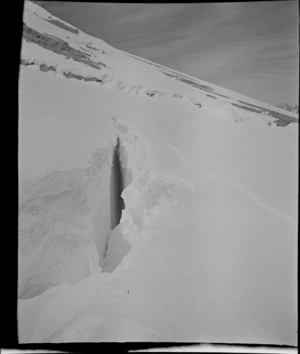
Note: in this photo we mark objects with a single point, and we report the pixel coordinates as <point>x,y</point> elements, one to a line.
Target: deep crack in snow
<point>116,246</point>
<point>116,188</point>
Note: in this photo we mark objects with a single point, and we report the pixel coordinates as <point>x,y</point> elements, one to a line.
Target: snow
<point>128,72</point>
<point>206,246</point>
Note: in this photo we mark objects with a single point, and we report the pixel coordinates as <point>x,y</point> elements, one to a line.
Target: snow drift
<point>153,206</point>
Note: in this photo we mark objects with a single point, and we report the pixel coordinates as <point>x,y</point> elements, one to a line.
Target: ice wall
<point>63,227</point>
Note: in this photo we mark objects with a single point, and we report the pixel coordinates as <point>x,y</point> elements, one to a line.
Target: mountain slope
<point>152,207</point>
<point>53,45</point>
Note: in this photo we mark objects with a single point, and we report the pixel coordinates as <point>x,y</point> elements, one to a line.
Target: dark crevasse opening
<point>116,188</point>
<point>117,247</point>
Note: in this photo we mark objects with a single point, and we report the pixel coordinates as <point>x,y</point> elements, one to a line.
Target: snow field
<point>149,211</point>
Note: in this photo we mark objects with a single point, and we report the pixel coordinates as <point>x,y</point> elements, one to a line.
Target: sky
<point>248,47</point>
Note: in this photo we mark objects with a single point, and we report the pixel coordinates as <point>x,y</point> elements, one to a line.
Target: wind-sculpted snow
<point>177,243</point>
<point>177,260</point>
<point>148,193</point>
<point>64,225</point>
<point>153,206</point>
<point>58,231</point>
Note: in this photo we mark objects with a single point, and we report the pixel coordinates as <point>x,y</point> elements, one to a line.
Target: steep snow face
<point>63,225</point>
<point>152,208</point>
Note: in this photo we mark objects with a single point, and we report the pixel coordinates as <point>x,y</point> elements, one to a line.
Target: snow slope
<point>205,249</point>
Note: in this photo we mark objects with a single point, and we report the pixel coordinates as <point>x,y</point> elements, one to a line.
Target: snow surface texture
<point>151,208</point>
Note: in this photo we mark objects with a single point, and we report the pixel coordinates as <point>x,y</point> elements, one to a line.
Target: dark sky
<point>250,47</point>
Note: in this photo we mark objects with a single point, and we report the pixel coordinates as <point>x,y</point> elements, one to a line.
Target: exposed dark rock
<point>58,46</point>
<point>63,25</point>
<point>152,93</point>
<point>92,79</point>
<point>288,107</point>
<point>73,76</point>
<point>44,67</point>
<point>281,123</point>
<point>27,62</point>
<point>246,108</point>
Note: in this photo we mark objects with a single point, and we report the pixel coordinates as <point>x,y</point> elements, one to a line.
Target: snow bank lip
<point>275,112</point>
<point>281,117</point>
<point>66,73</point>
<point>139,193</point>
<point>62,25</point>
